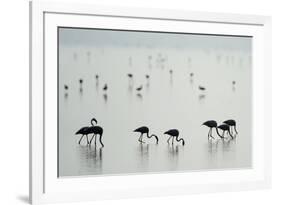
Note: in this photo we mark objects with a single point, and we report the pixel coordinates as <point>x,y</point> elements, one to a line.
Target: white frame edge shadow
<point>36,96</point>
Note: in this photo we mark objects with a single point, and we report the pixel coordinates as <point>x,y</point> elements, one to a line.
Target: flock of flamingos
<point>227,127</point>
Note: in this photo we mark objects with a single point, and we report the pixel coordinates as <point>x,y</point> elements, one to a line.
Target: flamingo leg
<point>173,140</point>
<point>101,141</point>
<point>235,129</point>
<point>169,139</point>
<point>87,139</point>
<point>92,138</point>
<point>140,138</point>
<point>211,133</point>
<point>80,139</point>
<point>223,134</point>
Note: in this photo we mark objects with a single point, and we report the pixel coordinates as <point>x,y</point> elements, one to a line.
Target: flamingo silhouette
<point>232,124</point>
<point>201,88</point>
<point>174,133</point>
<point>96,130</point>
<point>145,130</point>
<point>66,87</point>
<point>105,87</point>
<point>85,131</point>
<point>139,88</point>
<point>212,124</point>
<point>225,128</point>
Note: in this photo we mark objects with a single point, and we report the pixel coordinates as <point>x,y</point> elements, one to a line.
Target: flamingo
<point>96,130</point>
<point>105,87</point>
<point>85,131</point>
<point>201,88</point>
<point>225,127</point>
<point>145,130</point>
<point>66,87</point>
<point>231,123</point>
<point>174,133</point>
<point>211,124</point>
<point>139,88</point>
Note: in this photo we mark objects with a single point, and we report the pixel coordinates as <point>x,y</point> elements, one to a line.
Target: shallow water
<point>166,101</point>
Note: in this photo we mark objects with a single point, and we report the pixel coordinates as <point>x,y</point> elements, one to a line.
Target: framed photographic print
<point>129,102</point>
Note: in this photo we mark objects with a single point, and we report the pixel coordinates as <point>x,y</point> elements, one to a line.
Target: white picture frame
<point>45,187</point>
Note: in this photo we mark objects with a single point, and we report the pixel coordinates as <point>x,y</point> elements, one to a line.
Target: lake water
<point>166,101</point>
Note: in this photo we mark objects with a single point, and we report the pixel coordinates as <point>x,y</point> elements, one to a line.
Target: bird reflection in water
<point>143,153</point>
<point>105,97</point>
<point>173,155</point>
<point>213,146</point>
<point>91,158</point>
<point>201,97</point>
<point>139,95</point>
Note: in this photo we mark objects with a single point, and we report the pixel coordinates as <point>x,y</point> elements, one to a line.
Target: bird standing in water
<point>139,88</point>
<point>211,124</point>
<point>174,133</point>
<point>105,87</point>
<point>145,130</point>
<point>225,128</point>
<point>85,131</point>
<point>232,125</point>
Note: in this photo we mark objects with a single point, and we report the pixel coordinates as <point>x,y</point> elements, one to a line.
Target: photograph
<point>144,102</point>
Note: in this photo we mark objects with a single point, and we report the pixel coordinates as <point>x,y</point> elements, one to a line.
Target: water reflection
<point>143,154</point>
<point>139,95</point>
<point>105,97</point>
<point>201,97</point>
<point>173,152</point>
<point>91,158</point>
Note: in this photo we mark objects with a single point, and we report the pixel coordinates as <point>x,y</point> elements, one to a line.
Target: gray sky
<point>94,37</point>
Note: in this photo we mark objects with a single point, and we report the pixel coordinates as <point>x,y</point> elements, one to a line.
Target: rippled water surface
<point>167,100</point>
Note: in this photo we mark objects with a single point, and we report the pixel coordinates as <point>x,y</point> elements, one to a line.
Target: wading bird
<point>191,75</point>
<point>81,81</point>
<point>225,128</point>
<point>65,87</point>
<point>232,124</point>
<point>105,87</point>
<point>85,131</point>
<point>145,130</point>
<point>96,130</point>
<point>174,133</point>
<point>211,124</point>
<point>201,88</point>
<point>139,88</point>
<point>130,75</point>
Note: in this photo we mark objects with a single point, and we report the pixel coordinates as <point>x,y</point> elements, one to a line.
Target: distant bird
<point>96,130</point>
<point>130,75</point>
<point>147,76</point>
<point>81,81</point>
<point>97,76</point>
<point>233,82</point>
<point>139,88</point>
<point>225,128</point>
<point>105,87</point>
<point>65,87</point>
<point>232,124</point>
<point>171,71</point>
<point>174,133</point>
<point>211,124</point>
<point>201,88</point>
<point>145,130</point>
<point>85,131</point>
<point>191,75</point>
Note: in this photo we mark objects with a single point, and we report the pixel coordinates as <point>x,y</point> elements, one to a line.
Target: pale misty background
<point>166,100</point>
